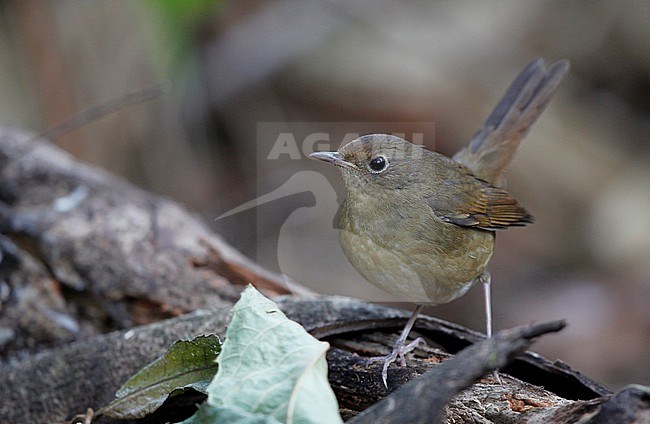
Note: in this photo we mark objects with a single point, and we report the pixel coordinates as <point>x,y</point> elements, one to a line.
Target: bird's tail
<point>494,144</point>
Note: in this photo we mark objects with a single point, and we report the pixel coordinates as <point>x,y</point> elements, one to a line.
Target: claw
<point>384,374</point>
<point>399,350</point>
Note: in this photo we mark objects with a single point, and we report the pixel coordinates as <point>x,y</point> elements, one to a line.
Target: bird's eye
<point>378,164</point>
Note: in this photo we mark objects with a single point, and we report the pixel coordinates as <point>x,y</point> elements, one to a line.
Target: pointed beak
<point>332,157</point>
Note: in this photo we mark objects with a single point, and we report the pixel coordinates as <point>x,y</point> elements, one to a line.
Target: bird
<point>421,225</point>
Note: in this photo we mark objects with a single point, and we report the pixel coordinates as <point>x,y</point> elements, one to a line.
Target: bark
<point>84,252</point>
<point>98,278</point>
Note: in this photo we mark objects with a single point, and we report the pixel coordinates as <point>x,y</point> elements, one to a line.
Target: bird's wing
<point>475,203</point>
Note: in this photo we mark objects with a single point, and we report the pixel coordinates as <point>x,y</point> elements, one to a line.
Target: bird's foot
<point>399,351</point>
<point>497,378</point>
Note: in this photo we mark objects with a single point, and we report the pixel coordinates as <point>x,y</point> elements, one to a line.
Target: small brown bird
<point>421,225</point>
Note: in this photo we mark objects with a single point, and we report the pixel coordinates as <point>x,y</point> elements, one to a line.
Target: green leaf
<point>187,364</point>
<point>270,371</point>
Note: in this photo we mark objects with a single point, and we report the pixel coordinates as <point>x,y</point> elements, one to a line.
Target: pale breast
<point>425,261</point>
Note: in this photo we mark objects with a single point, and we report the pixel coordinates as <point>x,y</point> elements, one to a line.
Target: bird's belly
<point>421,273</point>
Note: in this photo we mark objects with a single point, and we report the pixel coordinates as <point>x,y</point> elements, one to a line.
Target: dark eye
<point>378,164</point>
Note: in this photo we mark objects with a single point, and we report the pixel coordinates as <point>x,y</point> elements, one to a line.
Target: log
<point>84,252</point>
<point>98,278</point>
<point>57,384</point>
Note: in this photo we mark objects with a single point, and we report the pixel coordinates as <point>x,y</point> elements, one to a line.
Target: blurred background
<point>220,101</point>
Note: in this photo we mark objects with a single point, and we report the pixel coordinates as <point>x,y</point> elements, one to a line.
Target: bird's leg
<point>486,280</point>
<point>399,349</point>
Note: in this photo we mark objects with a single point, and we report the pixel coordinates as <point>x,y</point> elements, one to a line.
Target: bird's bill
<point>332,157</point>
